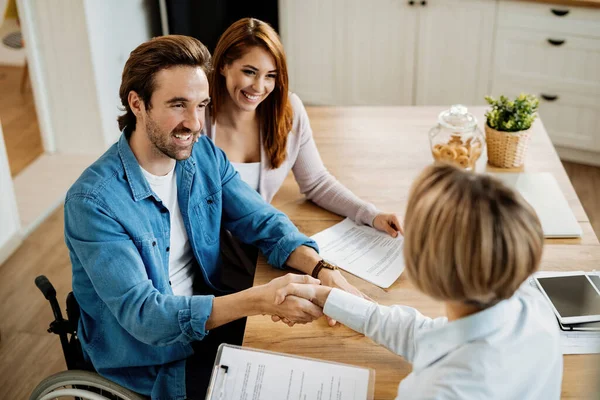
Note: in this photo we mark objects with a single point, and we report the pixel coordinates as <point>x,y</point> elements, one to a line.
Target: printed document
<point>363,251</point>
<point>246,374</point>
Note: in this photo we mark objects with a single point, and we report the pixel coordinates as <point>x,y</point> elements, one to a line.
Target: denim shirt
<point>132,327</point>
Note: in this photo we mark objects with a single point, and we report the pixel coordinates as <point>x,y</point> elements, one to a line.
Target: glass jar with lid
<point>457,138</point>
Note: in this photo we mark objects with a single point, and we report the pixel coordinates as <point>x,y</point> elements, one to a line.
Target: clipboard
<point>272,375</point>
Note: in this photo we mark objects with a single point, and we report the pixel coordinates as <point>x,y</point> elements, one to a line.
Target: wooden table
<point>377,152</point>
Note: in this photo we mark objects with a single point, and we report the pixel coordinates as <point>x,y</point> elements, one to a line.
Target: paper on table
<point>578,342</point>
<point>574,342</point>
<point>258,375</point>
<point>363,251</point>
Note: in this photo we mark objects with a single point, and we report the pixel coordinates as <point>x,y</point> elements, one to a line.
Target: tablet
<point>586,326</point>
<point>574,298</point>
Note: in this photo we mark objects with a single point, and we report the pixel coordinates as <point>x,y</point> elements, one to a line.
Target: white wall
<point>65,65</point>
<point>130,25</point>
<point>10,228</point>
<point>77,50</point>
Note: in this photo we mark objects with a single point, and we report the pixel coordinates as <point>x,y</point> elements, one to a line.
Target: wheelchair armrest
<point>45,287</point>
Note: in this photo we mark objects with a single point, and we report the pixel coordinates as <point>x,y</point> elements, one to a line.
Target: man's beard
<point>163,142</point>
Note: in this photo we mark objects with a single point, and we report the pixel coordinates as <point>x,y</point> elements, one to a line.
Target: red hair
<point>275,112</point>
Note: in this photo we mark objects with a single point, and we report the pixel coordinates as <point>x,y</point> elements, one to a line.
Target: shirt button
<point>209,201</point>
<point>168,249</point>
<point>169,283</point>
<point>153,243</point>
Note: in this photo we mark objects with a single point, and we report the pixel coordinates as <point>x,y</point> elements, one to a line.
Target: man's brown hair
<point>151,57</point>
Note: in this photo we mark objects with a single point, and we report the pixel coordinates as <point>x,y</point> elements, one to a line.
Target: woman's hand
<point>317,294</point>
<point>334,279</point>
<point>389,223</point>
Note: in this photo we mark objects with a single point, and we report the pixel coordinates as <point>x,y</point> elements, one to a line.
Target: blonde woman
<point>470,242</point>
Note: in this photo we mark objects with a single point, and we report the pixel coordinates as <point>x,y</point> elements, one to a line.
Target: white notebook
<point>543,193</point>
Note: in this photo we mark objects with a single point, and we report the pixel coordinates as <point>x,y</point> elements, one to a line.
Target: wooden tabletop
<point>377,152</point>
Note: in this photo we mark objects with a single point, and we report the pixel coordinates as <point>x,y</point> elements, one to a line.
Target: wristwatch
<point>320,265</point>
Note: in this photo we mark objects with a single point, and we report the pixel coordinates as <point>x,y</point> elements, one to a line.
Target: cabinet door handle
<point>549,97</point>
<point>559,13</point>
<point>411,3</point>
<point>423,3</point>
<point>556,42</point>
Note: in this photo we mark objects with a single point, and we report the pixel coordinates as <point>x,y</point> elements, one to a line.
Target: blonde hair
<point>469,237</point>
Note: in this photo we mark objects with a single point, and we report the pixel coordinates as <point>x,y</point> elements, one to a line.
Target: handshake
<point>299,299</point>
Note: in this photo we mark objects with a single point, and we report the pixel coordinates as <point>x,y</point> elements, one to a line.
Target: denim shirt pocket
<point>209,213</point>
<point>148,246</point>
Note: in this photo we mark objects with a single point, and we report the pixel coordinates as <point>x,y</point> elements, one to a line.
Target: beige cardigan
<point>315,182</point>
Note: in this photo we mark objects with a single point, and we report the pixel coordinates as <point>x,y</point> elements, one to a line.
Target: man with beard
<point>143,223</point>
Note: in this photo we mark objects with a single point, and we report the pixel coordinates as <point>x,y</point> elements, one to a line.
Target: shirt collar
<point>437,343</point>
<point>140,188</point>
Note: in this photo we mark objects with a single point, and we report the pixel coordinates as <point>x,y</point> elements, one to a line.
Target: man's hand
<point>305,259</point>
<point>388,222</point>
<point>293,309</point>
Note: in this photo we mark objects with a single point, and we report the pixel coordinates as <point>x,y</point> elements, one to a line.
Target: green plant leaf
<point>512,115</point>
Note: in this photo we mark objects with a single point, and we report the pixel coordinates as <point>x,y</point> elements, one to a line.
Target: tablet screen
<point>572,296</point>
<point>595,280</point>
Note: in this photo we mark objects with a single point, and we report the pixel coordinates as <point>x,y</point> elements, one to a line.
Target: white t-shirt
<point>181,257</point>
<point>249,172</point>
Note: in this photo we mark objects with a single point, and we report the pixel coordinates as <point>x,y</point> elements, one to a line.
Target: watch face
<point>329,263</point>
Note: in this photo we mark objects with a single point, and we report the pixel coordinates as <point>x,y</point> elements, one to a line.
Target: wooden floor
<point>27,352</point>
<point>19,120</point>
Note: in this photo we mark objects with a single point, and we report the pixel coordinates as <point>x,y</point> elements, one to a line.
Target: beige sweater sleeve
<point>316,183</point>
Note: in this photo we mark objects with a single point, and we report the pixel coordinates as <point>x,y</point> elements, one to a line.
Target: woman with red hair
<point>264,129</point>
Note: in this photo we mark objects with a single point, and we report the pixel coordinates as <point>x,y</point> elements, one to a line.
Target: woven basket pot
<point>506,149</point>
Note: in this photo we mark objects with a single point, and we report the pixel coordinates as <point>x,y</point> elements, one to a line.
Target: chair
<point>80,380</point>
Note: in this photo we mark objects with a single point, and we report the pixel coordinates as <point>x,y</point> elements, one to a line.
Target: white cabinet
<point>571,119</point>
<point>554,52</point>
<point>310,34</point>
<point>442,52</point>
<point>455,47</point>
<point>389,52</point>
<point>377,64</point>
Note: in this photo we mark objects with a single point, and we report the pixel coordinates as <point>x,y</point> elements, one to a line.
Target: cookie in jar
<point>456,138</point>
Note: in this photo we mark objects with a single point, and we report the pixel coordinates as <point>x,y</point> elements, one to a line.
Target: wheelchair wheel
<point>81,385</point>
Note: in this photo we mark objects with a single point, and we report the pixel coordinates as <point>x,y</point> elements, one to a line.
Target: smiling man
<point>143,224</point>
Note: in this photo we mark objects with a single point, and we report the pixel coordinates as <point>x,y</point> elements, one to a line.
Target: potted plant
<point>507,129</point>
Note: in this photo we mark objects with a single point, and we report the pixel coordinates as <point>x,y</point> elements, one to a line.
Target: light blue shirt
<point>508,351</point>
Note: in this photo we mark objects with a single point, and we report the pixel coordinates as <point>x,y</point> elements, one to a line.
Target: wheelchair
<point>80,381</point>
